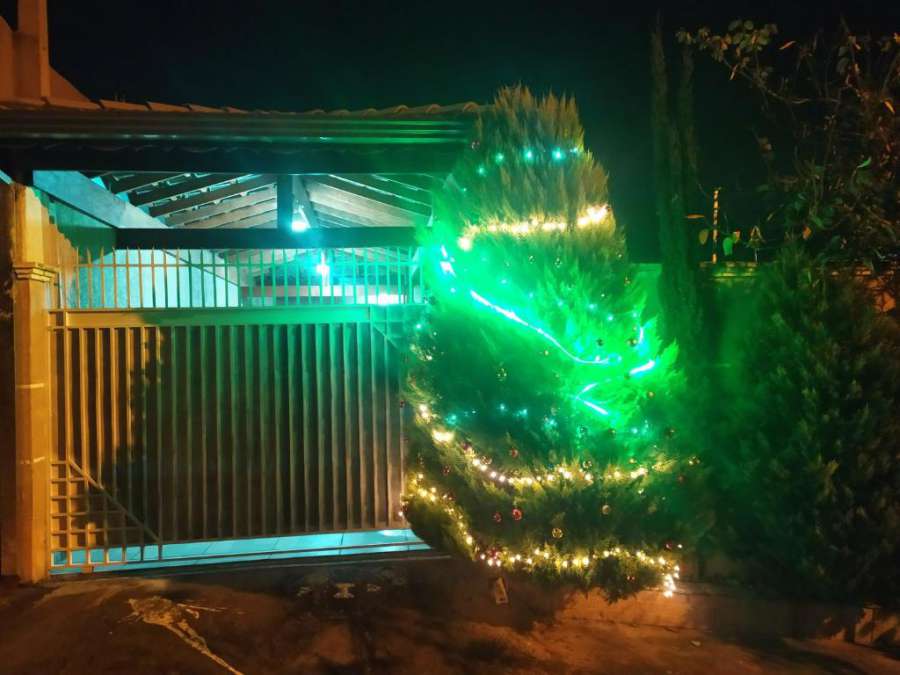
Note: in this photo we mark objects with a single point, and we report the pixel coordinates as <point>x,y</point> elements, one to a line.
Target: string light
<point>593,216</point>
<point>541,557</point>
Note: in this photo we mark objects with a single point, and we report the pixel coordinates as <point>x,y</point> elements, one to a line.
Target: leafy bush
<point>811,482</point>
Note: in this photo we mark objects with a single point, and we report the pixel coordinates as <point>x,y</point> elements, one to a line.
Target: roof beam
<point>387,192</point>
<point>189,185</point>
<point>211,196</point>
<point>323,237</point>
<point>83,194</point>
<point>188,218</point>
<point>385,159</point>
<point>301,192</point>
<point>137,181</point>
<point>235,217</point>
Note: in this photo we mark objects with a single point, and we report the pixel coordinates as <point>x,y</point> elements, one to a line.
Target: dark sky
<point>339,54</point>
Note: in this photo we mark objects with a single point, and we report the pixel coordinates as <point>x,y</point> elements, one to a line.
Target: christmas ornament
<point>606,509</point>
<point>514,452</point>
<point>517,513</point>
<point>557,533</point>
<point>498,517</point>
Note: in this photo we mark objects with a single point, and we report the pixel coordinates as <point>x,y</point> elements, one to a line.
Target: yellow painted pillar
<point>34,419</point>
<point>33,411</point>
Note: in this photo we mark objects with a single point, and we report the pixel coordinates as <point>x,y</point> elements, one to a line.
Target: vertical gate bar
<point>348,371</point>
<point>127,278</point>
<point>233,370</point>
<point>212,276</point>
<point>219,439</point>
<point>78,272</point>
<point>306,362</point>
<point>284,277</point>
<point>174,386</point>
<point>153,282</point>
<point>297,256</point>
<point>145,446</point>
<point>157,373</point>
<point>199,268</point>
<point>322,405</point>
<point>277,409</point>
<point>190,277</point>
<point>200,377</point>
<point>128,399</point>
<point>366,252</point>
<point>337,467</point>
<point>114,408</point>
<point>190,380</point>
<point>115,277</point>
<point>101,266</point>
<point>362,400</point>
<point>69,446</point>
<point>179,263</point>
<point>140,276</point>
<point>376,435</point>
<point>291,336</point>
<point>84,455</point>
<point>98,405</point>
<point>248,421</point>
<point>264,417</point>
<point>388,427</point>
<point>165,274</point>
<point>377,254</point>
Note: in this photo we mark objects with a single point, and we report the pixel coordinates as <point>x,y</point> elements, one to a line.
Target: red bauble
<point>513,452</point>
<point>517,513</point>
<point>498,517</point>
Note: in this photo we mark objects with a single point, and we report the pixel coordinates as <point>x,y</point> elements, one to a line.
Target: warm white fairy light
<point>532,561</point>
<point>592,216</point>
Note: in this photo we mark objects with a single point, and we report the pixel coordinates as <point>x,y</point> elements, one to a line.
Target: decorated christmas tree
<point>542,439</point>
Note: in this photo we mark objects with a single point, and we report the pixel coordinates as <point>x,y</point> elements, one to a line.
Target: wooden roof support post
<point>292,191</point>
<point>284,199</point>
<point>33,415</point>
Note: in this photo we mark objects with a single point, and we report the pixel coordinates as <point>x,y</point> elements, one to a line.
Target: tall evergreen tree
<point>543,439</point>
<point>813,482</point>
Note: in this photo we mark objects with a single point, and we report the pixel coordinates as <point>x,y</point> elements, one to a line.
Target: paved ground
<point>401,618</point>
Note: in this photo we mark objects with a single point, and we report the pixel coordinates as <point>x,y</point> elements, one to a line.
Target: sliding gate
<point>227,395</point>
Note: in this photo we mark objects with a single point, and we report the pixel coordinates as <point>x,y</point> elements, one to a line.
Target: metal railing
<point>199,278</point>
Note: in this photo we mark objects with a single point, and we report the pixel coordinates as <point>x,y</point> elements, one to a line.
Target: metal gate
<point>276,414</point>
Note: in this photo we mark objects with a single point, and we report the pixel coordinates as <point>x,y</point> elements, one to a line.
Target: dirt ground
<point>400,617</point>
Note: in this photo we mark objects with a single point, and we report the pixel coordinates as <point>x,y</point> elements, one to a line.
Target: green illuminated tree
<point>543,436</point>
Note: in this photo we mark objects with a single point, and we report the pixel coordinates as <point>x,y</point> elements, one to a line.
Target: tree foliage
<point>543,439</point>
<point>832,147</point>
<point>810,478</point>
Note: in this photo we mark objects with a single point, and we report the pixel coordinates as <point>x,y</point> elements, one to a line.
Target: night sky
<point>338,54</point>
